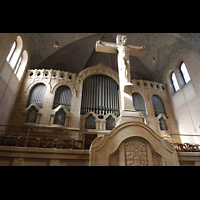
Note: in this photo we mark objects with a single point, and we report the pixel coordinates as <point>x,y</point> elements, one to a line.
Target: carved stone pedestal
<point>132,144</point>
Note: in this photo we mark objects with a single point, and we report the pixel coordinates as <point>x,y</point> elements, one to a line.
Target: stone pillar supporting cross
<point>123,51</point>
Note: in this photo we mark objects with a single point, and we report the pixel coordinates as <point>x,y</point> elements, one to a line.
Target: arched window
<point>21,65</point>
<point>185,74</point>
<point>90,122</point>
<point>138,103</point>
<point>110,123</point>
<point>63,96</point>
<point>158,105</point>
<point>100,95</point>
<point>174,82</point>
<point>163,125</point>
<point>60,117</point>
<point>16,59</point>
<point>16,53</point>
<point>37,95</point>
<point>11,51</point>
<point>32,115</point>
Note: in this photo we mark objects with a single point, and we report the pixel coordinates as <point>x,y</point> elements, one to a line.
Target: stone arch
<point>39,97</point>
<point>144,100</point>
<point>98,69</point>
<point>162,102</point>
<point>32,85</point>
<point>59,84</point>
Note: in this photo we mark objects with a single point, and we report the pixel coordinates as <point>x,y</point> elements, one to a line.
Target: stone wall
<point>20,156</point>
<point>55,78</point>
<point>186,100</point>
<point>9,84</point>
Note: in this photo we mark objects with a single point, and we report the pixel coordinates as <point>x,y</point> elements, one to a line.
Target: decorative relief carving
<point>136,153</point>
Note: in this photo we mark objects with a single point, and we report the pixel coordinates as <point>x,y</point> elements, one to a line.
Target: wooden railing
<point>186,147</point>
<point>39,137</point>
<point>27,136</point>
<point>21,141</point>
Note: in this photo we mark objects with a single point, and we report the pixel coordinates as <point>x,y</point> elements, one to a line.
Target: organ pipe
<point>100,95</point>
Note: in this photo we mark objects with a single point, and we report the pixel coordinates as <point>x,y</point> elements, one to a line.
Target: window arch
<point>100,95</point>
<point>63,96</point>
<point>184,72</point>
<point>90,122</point>
<point>138,103</point>
<point>11,51</point>
<point>60,117</point>
<point>16,59</point>
<point>17,51</point>
<point>163,124</point>
<point>174,82</point>
<point>32,115</point>
<point>37,95</point>
<point>110,123</point>
<point>158,105</point>
<point>21,65</point>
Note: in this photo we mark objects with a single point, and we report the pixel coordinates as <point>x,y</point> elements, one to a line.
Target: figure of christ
<point>123,51</point>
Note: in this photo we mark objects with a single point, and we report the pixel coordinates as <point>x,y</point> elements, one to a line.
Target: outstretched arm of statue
<point>137,51</point>
<point>106,47</point>
<point>107,44</point>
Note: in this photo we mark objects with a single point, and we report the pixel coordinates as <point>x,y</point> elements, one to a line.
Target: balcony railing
<point>39,137</point>
<point>29,136</point>
<point>21,141</point>
<point>186,146</point>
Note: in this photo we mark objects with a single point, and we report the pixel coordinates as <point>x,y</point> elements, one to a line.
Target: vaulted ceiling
<point>76,51</point>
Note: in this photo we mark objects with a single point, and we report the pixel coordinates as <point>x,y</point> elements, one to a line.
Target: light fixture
<point>153,59</point>
<point>56,43</point>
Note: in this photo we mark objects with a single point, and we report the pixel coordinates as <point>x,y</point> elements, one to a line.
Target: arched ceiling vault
<point>76,51</point>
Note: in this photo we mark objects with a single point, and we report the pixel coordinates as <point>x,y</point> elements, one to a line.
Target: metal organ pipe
<point>91,93</point>
<point>100,95</point>
<point>97,95</point>
<point>102,100</point>
<point>110,99</point>
<point>85,90</point>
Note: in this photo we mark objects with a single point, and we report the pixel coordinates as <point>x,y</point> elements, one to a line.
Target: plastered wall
<point>186,101</point>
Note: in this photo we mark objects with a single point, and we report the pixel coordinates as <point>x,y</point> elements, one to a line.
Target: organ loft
<point>94,102</point>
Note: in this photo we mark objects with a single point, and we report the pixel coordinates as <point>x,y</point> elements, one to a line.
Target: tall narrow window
<point>11,51</point>
<point>21,65</point>
<point>18,64</point>
<point>174,82</point>
<point>185,73</point>
<point>158,105</point>
<point>37,95</point>
<point>16,54</point>
<point>100,95</point>
<point>63,96</point>
<point>16,59</point>
<point>138,103</point>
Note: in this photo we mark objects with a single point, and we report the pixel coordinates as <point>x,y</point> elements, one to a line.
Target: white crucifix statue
<point>123,51</point>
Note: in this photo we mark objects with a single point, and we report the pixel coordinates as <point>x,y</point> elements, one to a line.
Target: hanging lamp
<point>56,43</point>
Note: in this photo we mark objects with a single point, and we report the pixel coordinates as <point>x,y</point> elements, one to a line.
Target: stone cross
<point>123,51</point>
